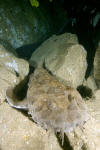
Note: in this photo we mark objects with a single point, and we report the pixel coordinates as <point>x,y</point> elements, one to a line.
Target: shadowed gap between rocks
<point>66,145</point>
<point>85,91</point>
<point>21,89</point>
<point>26,51</point>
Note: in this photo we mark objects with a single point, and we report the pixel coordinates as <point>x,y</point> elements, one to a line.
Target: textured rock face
<point>69,66</point>
<point>90,83</point>
<point>21,24</point>
<point>8,46</point>
<point>97,65</point>
<point>51,104</point>
<point>50,45</point>
<point>63,57</point>
<point>94,105</point>
<point>12,70</point>
<point>89,137</point>
<point>17,132</point>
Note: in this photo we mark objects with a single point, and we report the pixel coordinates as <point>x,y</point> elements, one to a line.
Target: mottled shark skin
<point>51,104</point>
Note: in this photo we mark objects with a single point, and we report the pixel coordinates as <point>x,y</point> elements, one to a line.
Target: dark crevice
<point>66,145</point>
<point>17,74</point>
<point>21,89</point>
<point>85,91</point>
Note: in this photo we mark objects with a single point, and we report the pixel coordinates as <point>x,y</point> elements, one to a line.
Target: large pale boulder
<point>51,45</point>
<point>97,65</point>
<point>12,70</point>
<point>88,138</point>
<point>63,57</point>
<point>18,132</point>
<point>69,65</point>
<point>94,105</point>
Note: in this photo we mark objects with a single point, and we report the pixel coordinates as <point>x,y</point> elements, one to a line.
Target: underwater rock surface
<point>17,132</point>
<point>63,57</point>
<point>97,66</point>
<point>21,24</point>
<point>12,71</point>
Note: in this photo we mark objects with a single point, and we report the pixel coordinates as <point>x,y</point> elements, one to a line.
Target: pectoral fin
<point>13,100</point>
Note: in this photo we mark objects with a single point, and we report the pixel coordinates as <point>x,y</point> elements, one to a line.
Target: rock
<point>20,66</point>
<point>90,82</point>
<point>17,132</point>
<point>88,88</point>
<point>94,105</point>
<point>8,46</point>
<point>69,66</point>
<point>97,65</point>
<point>52,44</point>
<point>63,57</point>
<point>85,92</point>
<point>12,71</point>
<point>7,78</point>
<point>21,24</point>
<point>26,51</point>
<point>88,138</point>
